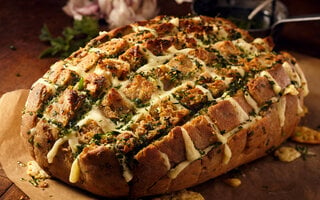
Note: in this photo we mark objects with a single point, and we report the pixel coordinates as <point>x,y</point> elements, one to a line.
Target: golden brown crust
<point>162,105</point>
<point>101,173</point>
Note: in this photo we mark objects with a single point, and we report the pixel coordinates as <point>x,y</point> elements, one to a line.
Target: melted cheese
<point>276,87</point>
<point>174,21</point>
<point>206,92</point>
<point>242,115</point>
<point>78,70</point>
<point>214,76</point>
<point>50,86</point>
<point>75,171</point>
<point>282,110</point>
<point>291,90</point>
<point>54,150</point>
<point>289,71</point>
<point>223,139</point>
<point>166,161</point>
<point>238,69</point>
<point>97,50</point>
<point>251,102</point>
<point>245,125</point>
<point>191,152</point>
<point>96,115</point>
<point>300,110</point>
<point>227,154</point>
<point>173,173</point>
<point>156,61</point>
<point>303,80</point>
<point>127,174</point>
<point>73,143</point>
<point>287,154</point>
<point>138,29</point>
<point>103,32</point>
<point>246,47</point>
<point>222,33</point>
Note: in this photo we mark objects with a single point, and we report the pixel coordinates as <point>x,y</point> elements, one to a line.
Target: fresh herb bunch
<point>72,38</point>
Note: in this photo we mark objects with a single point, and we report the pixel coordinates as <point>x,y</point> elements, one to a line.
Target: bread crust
<point>161,105</point>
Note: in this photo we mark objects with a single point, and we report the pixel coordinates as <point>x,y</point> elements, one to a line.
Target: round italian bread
<point>162,105</point>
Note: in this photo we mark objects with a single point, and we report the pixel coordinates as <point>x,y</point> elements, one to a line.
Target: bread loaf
<point>162,105</point>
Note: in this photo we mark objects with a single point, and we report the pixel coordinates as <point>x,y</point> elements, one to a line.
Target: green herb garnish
<point>72,37</point>
<point>304,150</point>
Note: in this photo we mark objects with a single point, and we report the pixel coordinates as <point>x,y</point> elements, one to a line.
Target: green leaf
<point>87,25</point>
<point>71,39</point>
<point>45,34</point>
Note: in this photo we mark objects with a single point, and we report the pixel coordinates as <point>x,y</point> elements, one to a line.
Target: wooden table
<point>20,65</point>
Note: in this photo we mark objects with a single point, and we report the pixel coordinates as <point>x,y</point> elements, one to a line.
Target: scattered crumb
<point>181,195</point>
<point>35,170</point>
<point>233,182</point>
<point>303,134</point>
<point>43,184</point>
<point>287,154</point>
<point>18,75</point>
<point>38,175</point>
<point>12,47</point>
<point>23,197</point>
<point>21,164</point>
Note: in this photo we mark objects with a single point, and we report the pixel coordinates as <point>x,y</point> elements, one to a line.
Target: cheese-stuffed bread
<point>162,105</point>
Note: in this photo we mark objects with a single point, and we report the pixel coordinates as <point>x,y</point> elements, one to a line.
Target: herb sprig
<point>71,39</point>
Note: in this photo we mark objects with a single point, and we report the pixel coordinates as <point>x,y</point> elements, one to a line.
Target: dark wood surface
<point>20,65</point>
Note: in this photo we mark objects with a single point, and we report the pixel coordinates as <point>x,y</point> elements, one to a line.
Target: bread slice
<point>162,105</point>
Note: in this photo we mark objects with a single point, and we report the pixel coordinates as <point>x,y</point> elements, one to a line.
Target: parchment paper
<point>265,178</point>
